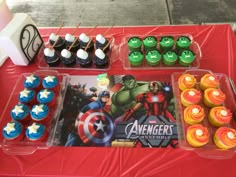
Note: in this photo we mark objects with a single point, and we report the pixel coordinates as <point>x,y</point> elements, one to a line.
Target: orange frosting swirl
<point>221,114</point>
<point>214,96</point>
<point>226,136</point>
<point>197,135</point>
<point>192,96</point>
<point>186,81</point>
<point>194,114</point>
<point>210,81</point>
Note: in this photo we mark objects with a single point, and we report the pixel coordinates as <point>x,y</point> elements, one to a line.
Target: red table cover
<point>217,44</point>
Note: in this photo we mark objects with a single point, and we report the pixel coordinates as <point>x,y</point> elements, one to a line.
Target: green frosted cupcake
<point>134,44</point>
<point>166,43</point>
<point>153,57</point>
<point>150,43</point>
<point>183,42</point>
<point>170,58</point>
<point>186,57</point>
<point>136,58</point>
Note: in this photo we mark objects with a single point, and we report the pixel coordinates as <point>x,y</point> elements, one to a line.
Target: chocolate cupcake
<point>67,58</point>
<point>183,42</point>
<point>83,58</point>
<point>136,58</point>
<point>101,42</point>
<point>134,44</point>
<point>170,58</point>
<point>69,40</point>
<point>153,57</point>
<point>60,42</point>
<point>101,60</point>
<point>84,40</point>
<point>186,57</point>
<point>150,43</point>
<point>166,43</point>
<point>51,57</point>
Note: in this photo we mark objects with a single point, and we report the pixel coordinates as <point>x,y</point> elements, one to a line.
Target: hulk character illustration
<point>125,97</point>
<point>92,118</point>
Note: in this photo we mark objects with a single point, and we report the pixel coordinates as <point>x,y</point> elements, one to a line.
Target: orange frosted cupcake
<point>197,135</point>
<point>209,81</point>
<point>219,116</point>
<point>194,114</point>
<point>190,97</point>
<point>213,97</point>
<point>225,138</point>
<point>186,81</point>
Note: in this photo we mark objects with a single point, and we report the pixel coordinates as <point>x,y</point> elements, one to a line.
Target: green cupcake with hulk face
<point>166,43</point>
<point>136,58</point>
<point>170,58</point>
<point>186,57</point>
<point>150,43</point>
<point>134,44</point>
<point>153,57</point>
<point>183,42</point>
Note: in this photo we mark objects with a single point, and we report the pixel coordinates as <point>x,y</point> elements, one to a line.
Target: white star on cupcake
<point>10,127</point>
<point>49,78</point>
<point>33,128</point>
<point>37,109</point>
<point>44,94</point>
<point>18,109</point>
<point>24,93</point>
<point>30,79</point>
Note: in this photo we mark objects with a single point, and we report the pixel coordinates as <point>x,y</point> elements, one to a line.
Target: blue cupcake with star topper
<point>50,82</point>
<point>27,96</point>
<point>20,113</point>
<point>46,96</point>
<point>40,113</point>
<point>32,82</point>
<point>36,132</point>
<point>13,131</point>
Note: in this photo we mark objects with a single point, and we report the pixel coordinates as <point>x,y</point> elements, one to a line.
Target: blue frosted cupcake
<point>32,82</point>
<point>40,113</point>
<point>27,96</point>
<point>50,82</point>
<point>13,131</point>
<point>36,132</point>
<point>46,96</point>
<point>20,113</point>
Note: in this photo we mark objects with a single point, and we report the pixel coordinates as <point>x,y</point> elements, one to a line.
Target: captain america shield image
<point>96,127</point>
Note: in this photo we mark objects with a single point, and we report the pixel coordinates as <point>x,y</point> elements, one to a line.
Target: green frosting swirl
<point>167,42</point>
<point>186,57</point>
<point>134,43</point>
<point>183,42</point>
<point>170,57</point>
<point>153,57</point>
<point>136,58</point>
<point>150,42</point>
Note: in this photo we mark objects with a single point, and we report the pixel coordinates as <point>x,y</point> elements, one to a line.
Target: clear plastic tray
<point>25,146</point>
<point>210,150</point>
<point>112,55</point>
<point>124,53</point>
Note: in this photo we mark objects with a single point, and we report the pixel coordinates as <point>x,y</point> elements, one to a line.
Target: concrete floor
<point>125,13</point>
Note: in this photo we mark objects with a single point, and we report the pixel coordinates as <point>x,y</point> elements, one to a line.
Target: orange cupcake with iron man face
<point>209,81</point>
<point>225,138</point>
<point>219,116</point>
<point>197,135</point>
<point>190,97</point>
<point>213,97</point>
<point>186,81</point>
<point>194,114</point>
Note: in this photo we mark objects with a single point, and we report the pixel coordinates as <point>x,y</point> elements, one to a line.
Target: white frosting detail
<point>10,127</point>
<point>212,78</point>
<point>199,132</point>
<point>82,54</point>
<point>188,78</point>
<point>69,37</point>
<point>30,79</point>
<point>49,79</point>
<point>37,109</point>
<point>49,52</point>
<point>24,93</point>
<point>65,53</point>
<point>195,110</point>
<point>216,93</point>
<point>44,94</point>
<point>223,113</point>
<point>33,128</point>
<point>230,135</point>
<point>100,54</point>
<point>191,93</point>
<point>18,109</point>
<point>100,39</point>
<point>53,37</point>
<point>83,37</point>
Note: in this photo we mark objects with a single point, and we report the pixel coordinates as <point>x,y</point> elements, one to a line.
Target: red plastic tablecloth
<point>218,50</point>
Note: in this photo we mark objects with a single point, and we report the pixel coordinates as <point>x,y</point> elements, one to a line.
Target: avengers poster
<point>117,111</point>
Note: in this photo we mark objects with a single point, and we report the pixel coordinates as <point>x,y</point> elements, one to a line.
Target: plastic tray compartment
<point>25,146</point>
<point>210,150</point>
<point>112,55</point>
<point>124,53</point>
